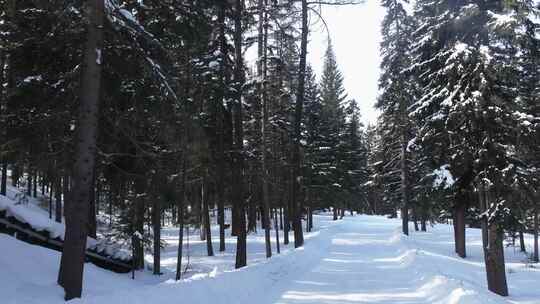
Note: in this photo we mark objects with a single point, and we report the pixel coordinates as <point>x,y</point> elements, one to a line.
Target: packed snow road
<point>360,259</point>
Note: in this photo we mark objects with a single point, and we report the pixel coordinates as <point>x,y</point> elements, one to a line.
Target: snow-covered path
<point>360,259</point>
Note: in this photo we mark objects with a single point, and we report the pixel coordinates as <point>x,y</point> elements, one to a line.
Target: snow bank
<point>26,209</point>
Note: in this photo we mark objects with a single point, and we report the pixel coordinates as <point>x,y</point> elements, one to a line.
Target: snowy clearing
<point>361,259</point>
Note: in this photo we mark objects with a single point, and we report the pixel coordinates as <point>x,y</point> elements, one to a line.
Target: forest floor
<point>360,259</point>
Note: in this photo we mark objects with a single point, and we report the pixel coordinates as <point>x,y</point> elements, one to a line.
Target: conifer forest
<point>195,151</point>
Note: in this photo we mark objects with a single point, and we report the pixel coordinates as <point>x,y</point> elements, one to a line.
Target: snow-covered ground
<point>34,212</point>
<point>361,259</point>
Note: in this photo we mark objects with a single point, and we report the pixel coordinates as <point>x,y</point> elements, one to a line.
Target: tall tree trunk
<point>15,175</point>
<point>310,216</point>
<point>76,210</point>
<point>494,259</point>
<point>138,222</point>
<point>92,220</point>
<point>296,210</point>
<point>535,235</point>
<point>65,189</point>
<point>58,197</point>
<point>34,184</point>
<point>415,217</point>
<point>29,182</point>
<point>4,61</point>
<point>423,220</point>
<point>3,182</point>
<point>238,162</point>
<point>459,229</point>
<point>51,198</point>
<point>404,184</point>
<point>280,218</point>
<point>219,126</point>
<point>276,228</point>
<point>522,241</point>
<point>206,214</point>
<point>263,40</point>
<point>182,194</point>
<point>156,223</point>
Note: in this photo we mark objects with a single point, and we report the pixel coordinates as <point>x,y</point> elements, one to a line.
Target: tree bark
<point>92,220</point>
<point>459,229</point>
<point>535,235</point>
<point>423,221</point>
<point>219,126</point>
<point>300,95</point>
<point>206,214</point>
<point>138,222</point>
<point>58,198</point>
<point>415,217</point>
<point>156,223</point>
<point>404,184</point>
<point>4,61</point>
<point>76,210</point>
<point>182,196</point>
<point>263,41</point>
<point>494,259</point>
<point>238,162</point>
<point>3,182</point>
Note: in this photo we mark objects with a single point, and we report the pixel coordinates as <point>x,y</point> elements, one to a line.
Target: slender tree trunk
<point>206,215</point>
<point>72,262</point>
<point>281,218</point>
<point>58,198</point>
<point>415,218</point>
<point>300,94</point>
<point>335,213</point>
<point>156,222</point>
<point>219,126</point>
<point>15,175</point>
<point>459,229</point>
<point>34,184</point>
<point>423,221</point>
<point>138,222</point>
<point>263,40</point>
<point>4,61</point>
<point>238,165</point>
<point>522,242</point>
<point>276,228</point>
<point>3,182</point>
<point>29,182</point>
<point>286,225</point>
<point>535,235</point>
<point>182,194</point>
<point>310,216</point>
<point>307,219</point>
<point>404,184</point>
<point>51,200</point>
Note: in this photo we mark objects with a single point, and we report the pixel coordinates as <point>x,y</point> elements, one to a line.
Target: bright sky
<point>355,33</point>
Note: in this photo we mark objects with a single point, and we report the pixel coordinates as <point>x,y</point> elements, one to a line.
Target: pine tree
<point>467,113</point>
<point>397,88</point>
<point>331,145</point>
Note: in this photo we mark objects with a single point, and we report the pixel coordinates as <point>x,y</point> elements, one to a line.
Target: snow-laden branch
<point>145,43</point>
